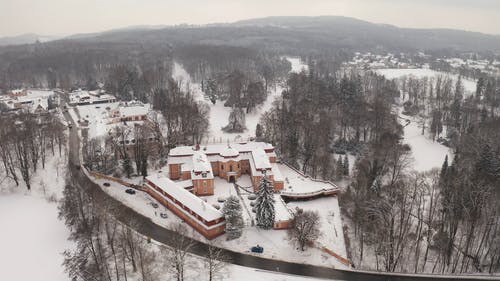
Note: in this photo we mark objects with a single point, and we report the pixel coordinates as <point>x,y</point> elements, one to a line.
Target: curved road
<point>146,227</point>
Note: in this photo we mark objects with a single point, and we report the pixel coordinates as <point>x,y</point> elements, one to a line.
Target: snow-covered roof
<point>276,172</point>
<point>135,109</point>
<point>186,198</point>
<point>229,152</point>
<point>281,210</point>
<point>220,148</point>
<point>261,159</point>
<point>200,163</point>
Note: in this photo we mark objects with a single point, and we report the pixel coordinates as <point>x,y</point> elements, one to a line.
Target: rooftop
<point>188,199</point>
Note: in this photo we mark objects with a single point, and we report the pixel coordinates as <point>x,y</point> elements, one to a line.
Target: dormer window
<point>204,175</point>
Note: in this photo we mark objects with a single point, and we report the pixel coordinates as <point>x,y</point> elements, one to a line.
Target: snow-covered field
<point>427,154</point>
<point>219,114</point>
<point>393,73</point>
<point>32,237</point>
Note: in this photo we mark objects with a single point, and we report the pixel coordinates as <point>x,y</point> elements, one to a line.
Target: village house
<point>197,166</point>
<point>33,101</point>
<point>82,97</point>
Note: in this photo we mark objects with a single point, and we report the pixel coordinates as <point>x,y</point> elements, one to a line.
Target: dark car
<point>257,249</point>
<point>163,215</point>
<point>106,184</point>
<point>130,191</point>
<point>155,205</point>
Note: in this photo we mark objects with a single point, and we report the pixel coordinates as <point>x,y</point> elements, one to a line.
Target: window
<point>222,167</point>
<point>230,168</point>
<point>204,175</point>
<point>204,183</point>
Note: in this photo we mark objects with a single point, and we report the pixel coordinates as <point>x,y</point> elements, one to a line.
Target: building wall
<point>185,175</point>
<point>215,168</point>
<point>281,224</point>
<point>174,171</point>
<point>197,225</point>
<point>228,167</point>
<point>245,166</point>
<point>203,187</point>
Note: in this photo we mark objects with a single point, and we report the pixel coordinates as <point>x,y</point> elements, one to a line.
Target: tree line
<point>26,139</point>
<point>320,114</point>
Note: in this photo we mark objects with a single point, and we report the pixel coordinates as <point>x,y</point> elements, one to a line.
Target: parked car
<point>257,249</point>
<point>106,184</point>
<point>155,205</point>
<point>163,215</point>
<point>130,191</point>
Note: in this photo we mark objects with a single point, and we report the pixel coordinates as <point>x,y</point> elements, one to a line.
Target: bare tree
<point>304,228</point>
<point>176,257</point>
<point>215,261</point>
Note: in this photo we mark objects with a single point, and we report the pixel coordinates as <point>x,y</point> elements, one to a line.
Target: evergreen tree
<point>346,166</point>
<point>339,169</point>
<point>258,132</point>
<point>127,166</point>
<point>444,168</point>
<point>234,218</point>
<point>144,167</point>
<point>264,204</point>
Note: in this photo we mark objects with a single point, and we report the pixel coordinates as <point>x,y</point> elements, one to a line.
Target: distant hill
<point>28,38</point>
<point>291,34</point>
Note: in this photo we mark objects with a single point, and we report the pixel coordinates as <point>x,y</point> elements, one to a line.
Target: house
<point>229,162</point>
<point>34,101</point>
<point>201,216</point>
<point>82,97</point>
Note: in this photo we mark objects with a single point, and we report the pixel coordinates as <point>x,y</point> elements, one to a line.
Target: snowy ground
<point>219,114</point>
<point>275,242</point>
<point>32,239</point>
<point>31,234</point>
<point>427,154</point>
<point>296,183</point>
<point>392,73</point>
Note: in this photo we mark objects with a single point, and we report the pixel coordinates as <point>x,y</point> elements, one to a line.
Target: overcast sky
<point>63,17</point>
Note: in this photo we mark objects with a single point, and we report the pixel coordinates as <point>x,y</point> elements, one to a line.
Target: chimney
<point>197,147</point>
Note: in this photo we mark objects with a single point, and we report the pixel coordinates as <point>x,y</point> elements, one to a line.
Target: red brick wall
<point>174,171</point>
<point>207,233</point>
<point>202,190</point>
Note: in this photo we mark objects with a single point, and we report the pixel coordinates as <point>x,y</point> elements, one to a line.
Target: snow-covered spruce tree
<point>346,165</point>
<point>234,218</point>
<point>264,205</point>
<point>127,166</point>
<point>236,121</point>
<point>339,169</point>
